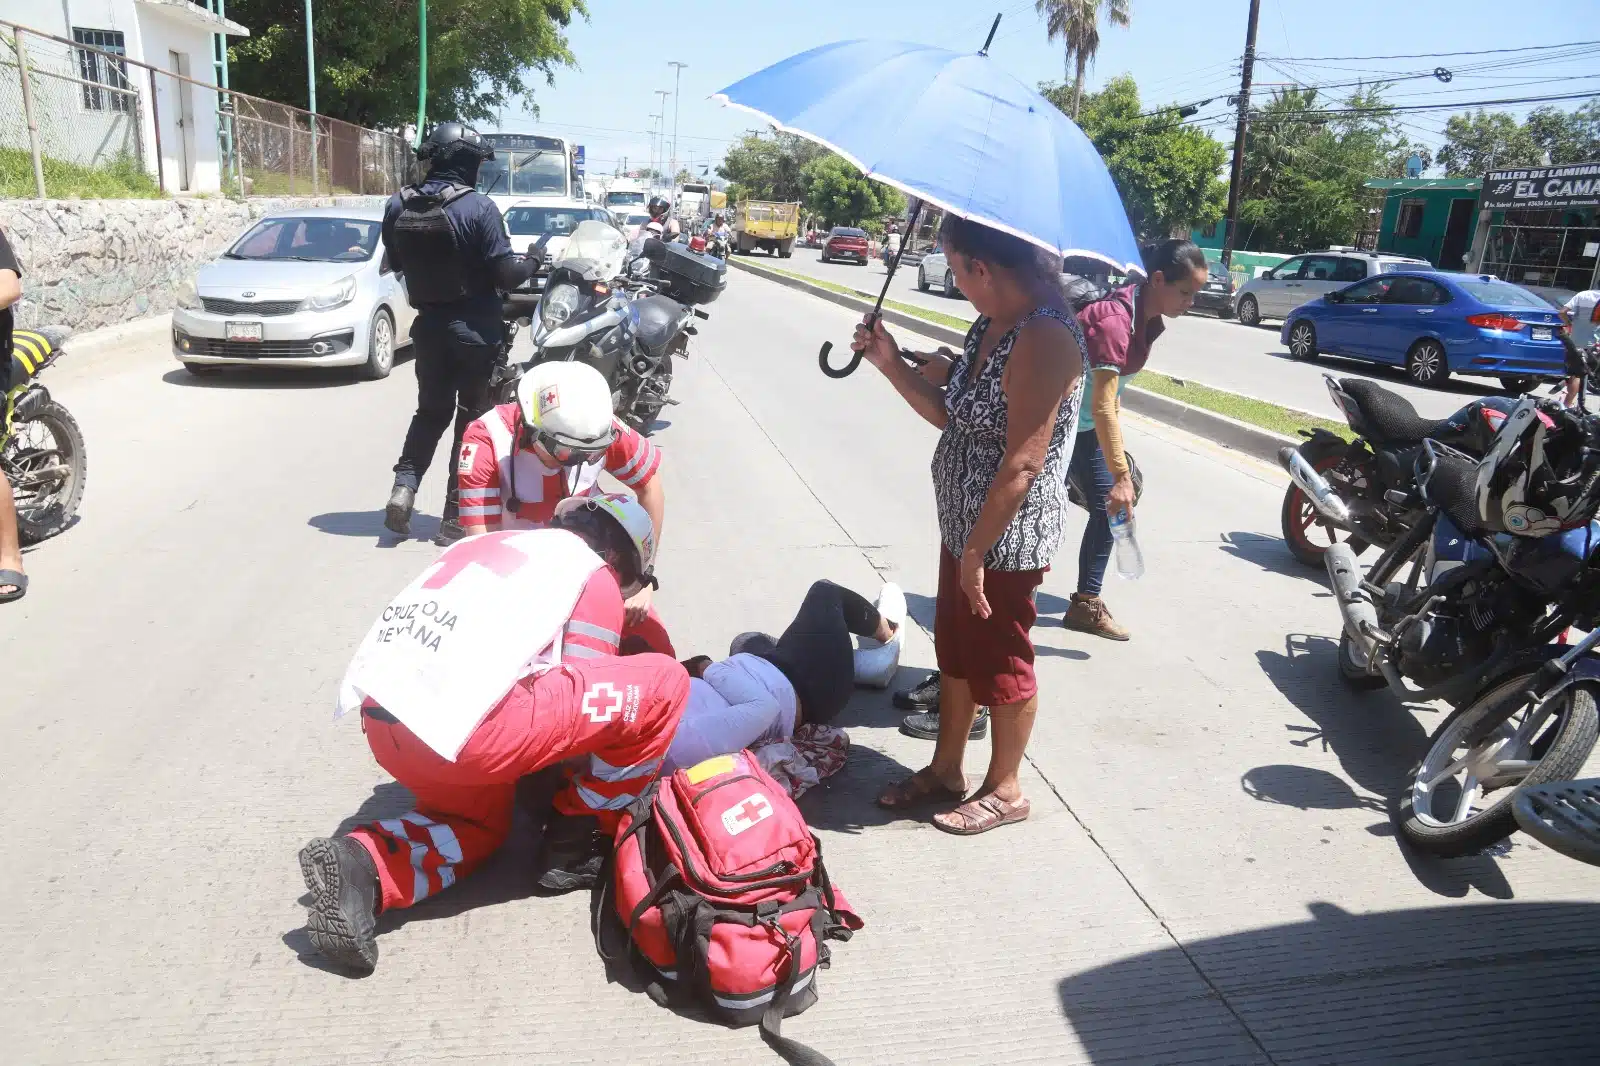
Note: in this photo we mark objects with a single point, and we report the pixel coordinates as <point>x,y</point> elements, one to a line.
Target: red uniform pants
<point>619,713</point>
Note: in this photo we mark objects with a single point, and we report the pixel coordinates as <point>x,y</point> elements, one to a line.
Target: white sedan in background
<point>308,288</point>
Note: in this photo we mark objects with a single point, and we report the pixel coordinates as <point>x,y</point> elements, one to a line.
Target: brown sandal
<point>918,790</point>
<point>982,814</point>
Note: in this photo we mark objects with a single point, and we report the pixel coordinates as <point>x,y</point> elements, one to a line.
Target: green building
<point>1428,218</point>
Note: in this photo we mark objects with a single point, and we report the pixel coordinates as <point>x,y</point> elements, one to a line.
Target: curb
<point>96,349</point>
<point>1219,429</point>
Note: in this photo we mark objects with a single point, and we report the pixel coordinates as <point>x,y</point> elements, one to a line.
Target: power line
<point>1433,55</point>
<point>1453,105</point>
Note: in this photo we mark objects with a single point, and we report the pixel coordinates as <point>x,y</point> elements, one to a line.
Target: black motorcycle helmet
<point>455,149</point>
<point>658,207</point>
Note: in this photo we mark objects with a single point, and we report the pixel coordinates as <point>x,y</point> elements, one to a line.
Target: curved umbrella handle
<point>837,372</point>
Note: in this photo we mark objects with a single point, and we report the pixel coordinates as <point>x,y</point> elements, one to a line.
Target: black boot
<point>572,853</point>
<point>923,696</point>
<point>450,531</point>
<point>397,516</point>
<point>926,726</point>
<point>343,918</point>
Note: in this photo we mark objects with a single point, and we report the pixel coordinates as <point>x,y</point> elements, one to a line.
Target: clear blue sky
<point>1178,52</point>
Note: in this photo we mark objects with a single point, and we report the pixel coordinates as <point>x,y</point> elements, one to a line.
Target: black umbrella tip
<point>990,40</point>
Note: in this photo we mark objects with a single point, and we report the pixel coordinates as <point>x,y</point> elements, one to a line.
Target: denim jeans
<point>1092,477</point>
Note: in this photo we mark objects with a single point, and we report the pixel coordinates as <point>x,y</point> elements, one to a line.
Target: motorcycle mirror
<point>654,250</point>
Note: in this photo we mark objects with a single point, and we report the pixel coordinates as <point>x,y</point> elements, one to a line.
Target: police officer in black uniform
<point>450,243</point>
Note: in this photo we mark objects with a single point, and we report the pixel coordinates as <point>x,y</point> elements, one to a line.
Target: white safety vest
<point>489,612</point>
<point>531,474</point>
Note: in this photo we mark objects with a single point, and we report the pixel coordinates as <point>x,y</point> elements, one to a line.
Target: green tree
<point>1077,24</point>
<point>1566,136</point>
<point>1482,141</point>
<point>1168,174</point>
<point>769,166</point>
<point>481,54</point>
<point>843,196</point>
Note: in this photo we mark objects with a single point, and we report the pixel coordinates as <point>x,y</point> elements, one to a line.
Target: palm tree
<point>1077,23</point>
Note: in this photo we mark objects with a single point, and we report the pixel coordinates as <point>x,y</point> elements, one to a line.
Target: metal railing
<point>85,120</point>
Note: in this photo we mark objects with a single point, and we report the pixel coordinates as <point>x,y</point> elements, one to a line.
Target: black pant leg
<point>473,363</point>
<point>815,652</point>
<point>436,400</point>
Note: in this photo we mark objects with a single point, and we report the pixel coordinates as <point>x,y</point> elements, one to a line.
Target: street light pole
<point>651,176</point>
<point>422,68</point>
<point>661,135</point>
<point>677,101</point>
<point>311,81</point>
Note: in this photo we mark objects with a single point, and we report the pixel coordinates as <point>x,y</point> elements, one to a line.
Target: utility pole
<point>1236,178</point>
<point>677,100</point>
<point>311,80</point>
<point>422,69</point>
<point>654,169</point>
<point>661,135</point>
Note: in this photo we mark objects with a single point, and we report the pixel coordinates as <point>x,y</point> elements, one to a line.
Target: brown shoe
<point>1089,614</point>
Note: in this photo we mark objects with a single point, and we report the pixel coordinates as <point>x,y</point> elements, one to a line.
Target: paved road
<point>1208,876</point>
<point>1197,347</point>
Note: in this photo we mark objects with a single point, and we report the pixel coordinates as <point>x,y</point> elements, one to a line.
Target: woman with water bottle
<point>1119,331</point>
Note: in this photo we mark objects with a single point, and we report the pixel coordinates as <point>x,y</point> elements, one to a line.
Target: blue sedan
<point>1434,324</point>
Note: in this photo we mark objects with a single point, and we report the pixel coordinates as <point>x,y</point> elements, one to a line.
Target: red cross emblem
<point>549,399</point>
<point>746,813</point>
<point>488,551</point>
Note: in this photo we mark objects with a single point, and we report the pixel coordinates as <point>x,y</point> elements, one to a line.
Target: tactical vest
<point>428,246</point>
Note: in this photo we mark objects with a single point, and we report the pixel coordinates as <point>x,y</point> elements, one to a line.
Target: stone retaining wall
<point>94,263</point>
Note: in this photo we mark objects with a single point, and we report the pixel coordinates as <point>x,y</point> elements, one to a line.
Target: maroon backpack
<point>720,886</point>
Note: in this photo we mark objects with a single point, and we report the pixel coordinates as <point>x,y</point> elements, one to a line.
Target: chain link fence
<point>82,119</point>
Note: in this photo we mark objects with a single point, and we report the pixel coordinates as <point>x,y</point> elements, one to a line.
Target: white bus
<point>529,166</point>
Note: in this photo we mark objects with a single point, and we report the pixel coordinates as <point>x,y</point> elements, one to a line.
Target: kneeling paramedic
<point>497,662</point>
<point>520,460</point>
<point>449,242</point>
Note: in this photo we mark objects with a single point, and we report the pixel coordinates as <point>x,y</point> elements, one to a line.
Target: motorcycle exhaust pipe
<point>1315,486</point>
<point>1360,617</point>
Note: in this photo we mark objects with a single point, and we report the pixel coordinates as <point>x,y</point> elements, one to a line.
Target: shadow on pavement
<point>1488,983</point>
<point>847,801</point>
<point>1272,555</point>
<point>1472,388</point>
<point>260,378</point>
<point>1377,742</point>
<point>370,524</point>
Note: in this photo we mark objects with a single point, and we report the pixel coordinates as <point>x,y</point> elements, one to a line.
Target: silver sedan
<point>309,288</point>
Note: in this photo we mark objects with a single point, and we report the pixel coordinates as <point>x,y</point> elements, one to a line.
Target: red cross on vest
<point>488,551</point>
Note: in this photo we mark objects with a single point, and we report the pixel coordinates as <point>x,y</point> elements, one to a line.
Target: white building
<point>83,124</point>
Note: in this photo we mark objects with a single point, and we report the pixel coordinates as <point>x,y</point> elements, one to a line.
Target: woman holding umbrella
<point>1006,413</point>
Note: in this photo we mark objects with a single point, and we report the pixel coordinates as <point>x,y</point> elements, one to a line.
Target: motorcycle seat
<point>1389,417</point>
<point>658,318</point>
<point>32,351</point>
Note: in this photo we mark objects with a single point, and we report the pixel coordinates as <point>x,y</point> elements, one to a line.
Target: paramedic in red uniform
<point>610,719</point>
<point>563,435</point>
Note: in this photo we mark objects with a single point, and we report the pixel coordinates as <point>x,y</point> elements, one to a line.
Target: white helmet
<point>566,410</point>
<point>618,519</point>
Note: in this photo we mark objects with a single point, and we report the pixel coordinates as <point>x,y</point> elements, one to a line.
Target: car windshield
<point>624,199</point>
<point>1497,293</point>
<point>538,173</point>
<point>323,240</point>
<point>537,221</point>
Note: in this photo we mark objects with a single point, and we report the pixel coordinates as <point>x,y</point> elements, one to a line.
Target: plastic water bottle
<point>1130,560</point>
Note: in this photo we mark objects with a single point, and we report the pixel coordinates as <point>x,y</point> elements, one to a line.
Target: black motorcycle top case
<point>698,278</point>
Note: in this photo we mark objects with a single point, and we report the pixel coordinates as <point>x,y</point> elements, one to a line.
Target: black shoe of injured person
<point>572,853</point>
<point>397,514</point>
<point>343,917</point>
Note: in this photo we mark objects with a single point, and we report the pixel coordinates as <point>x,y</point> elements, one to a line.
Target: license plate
<point>1541,333</point>
<point>244,331</point>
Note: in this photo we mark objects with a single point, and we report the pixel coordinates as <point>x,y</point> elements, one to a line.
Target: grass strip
<point>1254,412</point>
<point>119,178</point>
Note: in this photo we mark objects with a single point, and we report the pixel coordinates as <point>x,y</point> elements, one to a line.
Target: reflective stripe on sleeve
<point>578,651</point>
<point>479,512</point>
<point>604,771</point>
<point>634,468</point>
<point>588,629</point>
<point>480,494</point>
<point>596,802</point>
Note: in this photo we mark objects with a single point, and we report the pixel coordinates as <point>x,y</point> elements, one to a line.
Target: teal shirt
<point>1086,412</point>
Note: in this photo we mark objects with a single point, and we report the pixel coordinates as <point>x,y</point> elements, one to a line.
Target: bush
<point>121,178</point>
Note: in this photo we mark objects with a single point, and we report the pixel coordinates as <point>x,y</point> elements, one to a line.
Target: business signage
<point>1577,185</point>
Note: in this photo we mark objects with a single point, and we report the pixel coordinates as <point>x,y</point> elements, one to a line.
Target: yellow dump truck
<point>769,226</point>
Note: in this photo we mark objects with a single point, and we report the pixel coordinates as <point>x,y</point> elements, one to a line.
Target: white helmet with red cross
<point>566,408</point>
<point>618,521</point>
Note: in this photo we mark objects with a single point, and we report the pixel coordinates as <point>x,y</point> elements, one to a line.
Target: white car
<point>934,270</point>
<point>308,288</point>
<point>1304,278</point>
<point>548,223</point>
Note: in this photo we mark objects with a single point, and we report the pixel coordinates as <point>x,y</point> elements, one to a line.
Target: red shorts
<point>993,655</point>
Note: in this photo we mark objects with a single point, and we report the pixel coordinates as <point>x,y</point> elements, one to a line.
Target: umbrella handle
<point>837,372</point>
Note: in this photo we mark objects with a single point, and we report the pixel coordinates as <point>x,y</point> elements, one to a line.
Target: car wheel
<point>1249,312</point>
<point>1303,340</point>
<point>1426,364</point>
<point>824,258</point>
<point>380,347</point>
<point>950,289</point>
<point>922,281</point>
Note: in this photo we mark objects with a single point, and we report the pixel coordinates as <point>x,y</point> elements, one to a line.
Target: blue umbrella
<point>954,130</point>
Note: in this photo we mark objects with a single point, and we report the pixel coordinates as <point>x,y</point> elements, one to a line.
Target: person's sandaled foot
<point>919,790</point>
<point>13,585</point>
<point>982,814</point>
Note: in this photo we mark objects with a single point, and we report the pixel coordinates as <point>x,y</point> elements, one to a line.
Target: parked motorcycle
<point>625,311</point>
<point>1363,491</point>
<point>41,447</point>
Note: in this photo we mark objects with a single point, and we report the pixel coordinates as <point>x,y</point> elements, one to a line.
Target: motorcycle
<point>41,447</point>
<point>1362,492</point>
<point>717,246</point>
<point>625,311</point>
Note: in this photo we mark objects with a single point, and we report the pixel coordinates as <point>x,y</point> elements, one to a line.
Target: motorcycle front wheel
<point>45,461</point>
<point>1460,798</point>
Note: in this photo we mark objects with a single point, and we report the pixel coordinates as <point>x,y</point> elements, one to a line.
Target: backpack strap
<point>791,1050</point>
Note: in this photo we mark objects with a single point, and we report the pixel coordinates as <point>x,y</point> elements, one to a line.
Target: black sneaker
<point>450,531</point>
<point>922,696</point>
<point>925,726</point>
<point>397,515</point>
<point>572,853</point>
<point>343,918</point>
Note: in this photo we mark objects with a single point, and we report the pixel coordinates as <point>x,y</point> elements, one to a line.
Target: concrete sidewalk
<point>1208,876</point>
